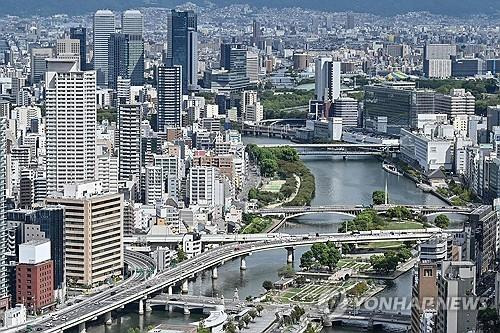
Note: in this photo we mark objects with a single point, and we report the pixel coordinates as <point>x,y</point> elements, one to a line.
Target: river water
<point>338,181</point>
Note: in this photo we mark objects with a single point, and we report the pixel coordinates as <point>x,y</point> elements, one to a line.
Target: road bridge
<point>368,319</point>
<point>188,303</point>
<point>139,291</point>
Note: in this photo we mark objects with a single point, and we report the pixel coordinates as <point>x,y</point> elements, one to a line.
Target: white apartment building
<point>457,103</point>
<point>71,124</point>
<point>107,172</point>
<point>254,112</point>
<point>202,186</point>
<point>154,185</point>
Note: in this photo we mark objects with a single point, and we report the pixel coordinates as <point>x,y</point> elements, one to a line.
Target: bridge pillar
<point>215,274</point>
<point>170,291</point>
<point>169,308</point>
<point>186,310</point>
<point>148,307</point>
<point>243,263</point>
<point>107,318</point>
<point>141,307</point>
<point>290,255</point>
<point>82,328</point>
<point>185,286</point>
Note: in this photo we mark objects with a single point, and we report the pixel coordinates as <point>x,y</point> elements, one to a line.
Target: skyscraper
<point>104,26</point>
<point>437,60</point>
<point>169,97</point>
<point>69,49</point>
<point>4,284</point>
<point>125,59</point>
<point>133,22</point>
<point>327,74</point>
<point>71,130</point>
<point>81,34</point>
<point>129,141</point>
<point>256,33</point>
<point>234,58</point>
<point>182,47</point>
<point>38,56</point>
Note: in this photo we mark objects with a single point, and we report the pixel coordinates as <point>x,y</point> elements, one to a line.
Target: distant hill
<point>380,7</point>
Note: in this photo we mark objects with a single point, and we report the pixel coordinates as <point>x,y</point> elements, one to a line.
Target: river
<point>338,181</point>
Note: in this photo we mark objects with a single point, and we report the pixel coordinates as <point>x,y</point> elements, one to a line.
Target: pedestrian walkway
<point>267,317</point>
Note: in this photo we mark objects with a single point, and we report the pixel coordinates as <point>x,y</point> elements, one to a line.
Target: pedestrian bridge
<point>139,292</point>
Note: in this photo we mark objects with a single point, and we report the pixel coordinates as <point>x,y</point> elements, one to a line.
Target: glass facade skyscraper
<point>125,59</point>
<point>81,34</point>
<point>182,47</point>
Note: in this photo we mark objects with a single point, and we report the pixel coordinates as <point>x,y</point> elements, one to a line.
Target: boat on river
<point>391,168</point>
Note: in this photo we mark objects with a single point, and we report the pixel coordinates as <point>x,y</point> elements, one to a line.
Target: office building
<point>301,61</point>
<point>424,295</point>
<point>126,59</point>
<point>457,103</point>
<point>256,33</point>
<point>34,276</point>
<point>129,141</point>
<point>71,131</point>
<point>427,152</point>
<point>154,185</point>
<point>327,75</point>
<point>347,109</point>
<point>69,49</point>
<point>400,103</point>
<point>437,60</point>
<point>468,67</point>
<point>133,23</point>
<point>253,66</point>
<point>38,63</point>
<point>4,283</point>
<point>169,97</point>
<point>46,223</point>
<point>103,27</point>
<point>483,223</point>
<point>93,231</point>
<point>123,92</point>
<point>349,22</point>
<point>254,112</point>
<point>234,58</point>
<point>182,46</point>
<point>81,34</point>
<point>107,172</point>
<point>457,280</point>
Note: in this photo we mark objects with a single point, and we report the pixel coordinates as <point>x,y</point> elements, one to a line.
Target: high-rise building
<point>169,97</point>
<point>4,284</point>
<point>424,295</point>
<point>234,58</point>
<point>437,60</point>
<point>202,183</point>
<point>38,63</point>
<point>107,172</point>
<point>256,33</point>
<point>349,22</point>
<point>347,109</point>
<point>81,34</point>
<point>182,46</point>
<point>248,97</point>
<point>104,26</point>
<point>123,92</point>
<point>457,103</point>
<point>49,224</point>
<point>69,49</point>
<point>126,59</point>
<point>327,75</point>
<point>129,141</point>
<point>94,231</point>
<point>457,281</point>
<point>71,130</point>
<point>254,112</point>
<point>133,23</point>
<point>154,184</point>
<point>253,67</point>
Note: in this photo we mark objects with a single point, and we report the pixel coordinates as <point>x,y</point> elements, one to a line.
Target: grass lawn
<point>403,225</point>
<point>273,186</point>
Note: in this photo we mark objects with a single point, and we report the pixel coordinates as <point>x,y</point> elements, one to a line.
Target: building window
<point>427,272</point>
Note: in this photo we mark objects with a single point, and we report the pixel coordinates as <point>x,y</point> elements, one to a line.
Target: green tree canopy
<point>378,197</point>
<point>442,221</point>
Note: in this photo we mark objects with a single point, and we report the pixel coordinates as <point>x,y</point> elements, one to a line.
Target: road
<point>137,290</point>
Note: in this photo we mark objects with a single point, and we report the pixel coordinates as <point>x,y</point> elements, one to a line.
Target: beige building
<point>93,233</point>
<point>424,295</point>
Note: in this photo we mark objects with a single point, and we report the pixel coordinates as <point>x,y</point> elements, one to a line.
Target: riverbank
<point>283,163</point>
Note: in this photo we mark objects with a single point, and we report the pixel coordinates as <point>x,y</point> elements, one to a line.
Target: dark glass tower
<point>81,34</point>
<point>183,46</point>
<point>125,59</point>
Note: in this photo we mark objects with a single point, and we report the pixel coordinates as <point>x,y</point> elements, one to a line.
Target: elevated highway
<point>139,291</point>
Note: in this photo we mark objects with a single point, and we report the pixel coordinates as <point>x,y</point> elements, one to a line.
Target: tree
<point>324,254</point>
<point>268,167</point>
<point>230,327</point>
<point>246,319</point>
<point>378,197</point>
<point>359,289</point>
<point>488,320</point>
<point>307,260</point>
<point>202,328</point>
<point>181,255</point>
<point>252,313</point>
<point>268,285</point>
<point>442,221</point>
<point>259,308</point>
<point>286,271</point>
